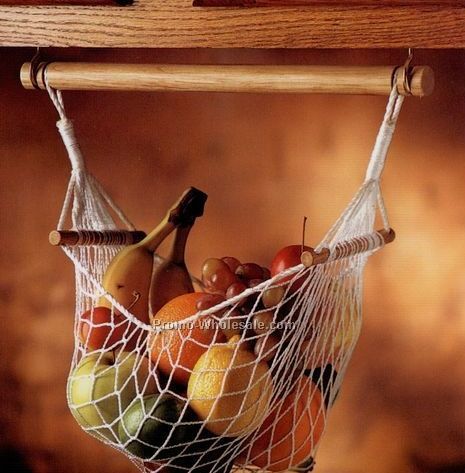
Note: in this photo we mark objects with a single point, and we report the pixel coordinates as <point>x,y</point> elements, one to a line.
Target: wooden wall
<point>265,161</point>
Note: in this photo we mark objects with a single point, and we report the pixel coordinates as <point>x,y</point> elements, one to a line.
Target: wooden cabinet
<point>179,24</point>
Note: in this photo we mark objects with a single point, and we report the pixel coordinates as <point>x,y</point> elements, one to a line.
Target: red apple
<point>286,258</point>
<point>100,327</point>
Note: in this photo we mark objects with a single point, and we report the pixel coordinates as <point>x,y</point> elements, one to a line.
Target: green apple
<point>103,385</point>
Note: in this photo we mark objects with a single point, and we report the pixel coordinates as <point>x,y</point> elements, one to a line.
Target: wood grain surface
<point>275,3</point>
<point>64,2</point>
<point>360,80</point>
<point>177,24</point>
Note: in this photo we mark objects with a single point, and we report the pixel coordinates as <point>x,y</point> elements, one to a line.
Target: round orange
<point>176,350</point>
<point>289,434</point>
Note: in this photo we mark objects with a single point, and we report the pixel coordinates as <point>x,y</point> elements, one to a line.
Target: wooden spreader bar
<point>362,80</point>
<point>91,237</point>
<point>294,3</point>
<point>347,248</point>
<point>309,258</point>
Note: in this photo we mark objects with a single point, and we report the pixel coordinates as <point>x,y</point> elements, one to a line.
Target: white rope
<point>384,138</point>
<point>66,129</point>
<point>84,191</point>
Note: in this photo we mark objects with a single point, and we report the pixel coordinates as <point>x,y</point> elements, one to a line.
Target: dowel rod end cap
<point>54,238</point>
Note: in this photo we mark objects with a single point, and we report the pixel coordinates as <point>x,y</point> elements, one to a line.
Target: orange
<point>289,434</point>
<point>176,350</point>
<point>230,389</point>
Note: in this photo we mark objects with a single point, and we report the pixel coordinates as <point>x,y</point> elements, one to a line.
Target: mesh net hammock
<point>244,384</point>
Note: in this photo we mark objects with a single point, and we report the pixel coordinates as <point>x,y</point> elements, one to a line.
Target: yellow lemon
<point>230,389</point>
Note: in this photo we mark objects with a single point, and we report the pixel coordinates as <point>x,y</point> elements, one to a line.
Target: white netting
<point>246,383</point>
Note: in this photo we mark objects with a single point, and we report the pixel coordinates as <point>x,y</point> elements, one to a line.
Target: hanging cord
<point>382,143</point>
<point>384,138</point>
<point>374,170</point>
<point>79,171</point>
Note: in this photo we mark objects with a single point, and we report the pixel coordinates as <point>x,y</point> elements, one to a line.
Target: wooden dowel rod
<point>365,80</point>
<point>293,3</point>
<point>346,248</point>
<point>90,237</point>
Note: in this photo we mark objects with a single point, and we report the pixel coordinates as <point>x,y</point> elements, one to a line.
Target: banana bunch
<point>136,281</point>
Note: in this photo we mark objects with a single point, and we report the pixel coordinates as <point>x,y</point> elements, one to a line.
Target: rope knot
<point>66,129</point>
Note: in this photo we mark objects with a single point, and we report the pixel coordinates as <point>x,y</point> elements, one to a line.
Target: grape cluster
<point>229,277</point>
<point>226,278</point>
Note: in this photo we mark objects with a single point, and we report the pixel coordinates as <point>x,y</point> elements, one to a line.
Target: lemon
<point>230,389</point>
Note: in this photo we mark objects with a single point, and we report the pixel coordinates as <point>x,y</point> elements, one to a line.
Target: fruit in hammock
<point>263,322</point>
<point>217,275</point>
<point>162,428</point>
<point>234,290</point>
<point>250,271</point>
<point>175,351</point>
<point>232,262</point>
<point>332,333</point>
<point>286,258</point>
<point>209,300</point>
<point>227,276</point>
<point>158,426</point>
<point>272,296</point>
<point>230,389</point>
<point>291,431</point>
<point>233,323</point>
<point>266,347</point>
<point>128,276</point>
<point>103,385</point>
<point>101,327</point>
<point>171,278</point>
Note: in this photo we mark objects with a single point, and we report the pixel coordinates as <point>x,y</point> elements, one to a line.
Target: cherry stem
<point>304,225</point>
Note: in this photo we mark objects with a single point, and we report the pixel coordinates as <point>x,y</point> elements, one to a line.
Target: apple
<point>102,386</point>
<point>101,327</point>
<point>286,258</point>
<point>156,421</point>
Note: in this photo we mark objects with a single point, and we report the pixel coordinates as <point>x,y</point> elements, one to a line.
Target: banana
<point>129,274</point>
<point>171,278</point>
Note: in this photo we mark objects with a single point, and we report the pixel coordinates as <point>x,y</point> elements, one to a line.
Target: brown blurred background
<point>265,161</point>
